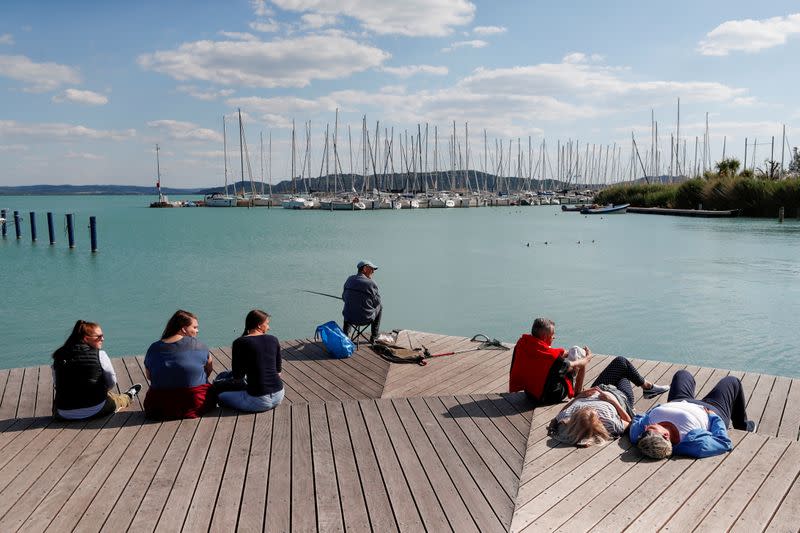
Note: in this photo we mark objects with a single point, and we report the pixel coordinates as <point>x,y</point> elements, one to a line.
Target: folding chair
<point>360,330</point>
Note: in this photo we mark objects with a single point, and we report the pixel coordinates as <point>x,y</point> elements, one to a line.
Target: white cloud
<point>489,30</point>
<point>185,131</point>
<point>318,20</point>
<point>6,38</point>
<point>59,131</point>
<point>270,26</point>
<point>204,94</point>
<point>40,77</point>
<point>279,63</point>
<point>239,35</point>
<point>477,43</point>
<point>577,77</point>
<point>749,35</point>
<point>83,155</point>
<point>410,17</point>
<point>260,8</point>
<point>410,70</point>
<point>81,97</point>
<point>14,148</point>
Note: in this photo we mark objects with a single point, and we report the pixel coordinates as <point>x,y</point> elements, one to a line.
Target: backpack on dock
<point>336,342</point>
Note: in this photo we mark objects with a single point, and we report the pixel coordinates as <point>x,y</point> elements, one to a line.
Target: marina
<point>363,444</point>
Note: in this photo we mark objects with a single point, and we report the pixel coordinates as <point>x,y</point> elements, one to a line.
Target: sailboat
<point>218,199</point>
<point>162,201</point>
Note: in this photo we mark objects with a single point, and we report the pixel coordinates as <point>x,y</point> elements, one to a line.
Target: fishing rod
<point>321,294</point>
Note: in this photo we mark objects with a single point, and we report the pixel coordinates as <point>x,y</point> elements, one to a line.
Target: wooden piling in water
<point>3,223</point>
<point>17,224</point>
<point>93,233</point>
<point>70,230</point>
<point>780,214</point>
<point>33,226</point>
<point>50,228</point>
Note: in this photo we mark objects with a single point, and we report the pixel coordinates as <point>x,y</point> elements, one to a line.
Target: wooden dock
<point>361,444</point>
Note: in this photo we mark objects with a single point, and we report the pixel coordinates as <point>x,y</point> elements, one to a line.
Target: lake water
<point>722,293</point>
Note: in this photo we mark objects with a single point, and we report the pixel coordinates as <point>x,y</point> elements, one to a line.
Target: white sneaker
<point>654,391</point>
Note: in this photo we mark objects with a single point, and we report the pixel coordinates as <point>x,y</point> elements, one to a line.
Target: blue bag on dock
<point>334,339</point>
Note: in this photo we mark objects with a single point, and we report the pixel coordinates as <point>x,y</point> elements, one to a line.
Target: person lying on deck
<point>83,376</point>
<point>604,411</point>
<point>255,368</point>
<point>690,427</point>
<point>178,367</point>
<point>546,374</point>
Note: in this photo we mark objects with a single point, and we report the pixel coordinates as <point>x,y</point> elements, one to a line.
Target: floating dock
<point>362,444</point>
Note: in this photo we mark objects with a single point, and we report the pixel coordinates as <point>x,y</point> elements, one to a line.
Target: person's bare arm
<point>209,366</point>
<point>610,398</point>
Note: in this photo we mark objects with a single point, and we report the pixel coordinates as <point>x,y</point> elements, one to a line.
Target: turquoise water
<point>722,293</point>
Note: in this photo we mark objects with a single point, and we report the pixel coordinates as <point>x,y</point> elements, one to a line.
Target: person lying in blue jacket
<point>691,427</point>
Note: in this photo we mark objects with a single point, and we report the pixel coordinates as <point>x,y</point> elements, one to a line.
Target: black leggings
<point>621,373</point>
<point>726,398</point>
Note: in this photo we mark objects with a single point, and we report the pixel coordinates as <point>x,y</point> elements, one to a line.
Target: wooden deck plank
<point>18,436</point>
<point>485,449</point>
<point>402,500</point>
<point>790,423</point>
<point>180,495</point>
<point>785,518</point>
<point>360,367</point>
<point>326,487</point>
<point>776,403</point>
<point>354,507</point>
<point>146,516</point>
<point>254,497</point>
<point>278,513</point>
<point>44,392</point>
<point>738,495</point>
<point>486,516</point>
<point>78,485</point>
<point>381,515</point>
<point>304,512</point>
<point>511,448</point>
<point>493,414</point>
<point>759,397</point>
<point>28,391</point>
<point>443,484</point>
<point>769,497</point>
<point>136,489</point>
<point>38,481</point>
<point>226,510</point>
<point>201,509</point>
<point>10,399</point>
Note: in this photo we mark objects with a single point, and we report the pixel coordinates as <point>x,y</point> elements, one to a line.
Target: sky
<point>89,88</point>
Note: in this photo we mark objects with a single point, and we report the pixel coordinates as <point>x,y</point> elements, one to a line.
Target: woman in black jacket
<point>83,376</point>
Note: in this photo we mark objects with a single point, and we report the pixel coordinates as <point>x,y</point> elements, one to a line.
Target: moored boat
<point>606,210</point>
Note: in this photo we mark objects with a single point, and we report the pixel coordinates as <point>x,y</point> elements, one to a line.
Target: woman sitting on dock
<point>256,361</point>
<point>83,376</point>
<point>178,367</point>
<point>604,411</point>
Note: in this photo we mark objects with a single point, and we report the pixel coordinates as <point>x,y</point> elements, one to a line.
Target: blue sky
<point>88,88</point>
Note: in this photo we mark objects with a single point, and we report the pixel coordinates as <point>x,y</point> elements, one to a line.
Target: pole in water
<point>780,214</point>
<point>33,226</point>
<point>50,229</point>
<point>3,223</point>
<point>93,233</point>
<point>70,230</point>
<point>17,224</point>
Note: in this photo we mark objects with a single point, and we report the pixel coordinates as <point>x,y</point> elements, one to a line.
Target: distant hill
<point>345,182</point>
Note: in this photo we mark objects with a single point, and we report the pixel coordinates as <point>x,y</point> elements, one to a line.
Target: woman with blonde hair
<point>604,411</point>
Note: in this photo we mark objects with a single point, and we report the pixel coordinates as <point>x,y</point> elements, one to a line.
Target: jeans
<point>254,404</point>
<point>726,398</point>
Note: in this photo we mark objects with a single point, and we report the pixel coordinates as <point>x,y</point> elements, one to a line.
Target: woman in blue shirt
<point>178,367</point>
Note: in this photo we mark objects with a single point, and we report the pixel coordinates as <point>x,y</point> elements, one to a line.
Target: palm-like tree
<point>728,167</point>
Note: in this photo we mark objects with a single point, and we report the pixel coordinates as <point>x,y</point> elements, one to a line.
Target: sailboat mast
<point>225,153</point>
<point>294,184</point>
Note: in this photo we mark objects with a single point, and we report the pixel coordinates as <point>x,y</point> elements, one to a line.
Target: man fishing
<point>362,301</point>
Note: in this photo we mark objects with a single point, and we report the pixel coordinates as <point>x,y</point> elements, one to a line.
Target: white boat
<point>218,199</point>
<point>298,202</point>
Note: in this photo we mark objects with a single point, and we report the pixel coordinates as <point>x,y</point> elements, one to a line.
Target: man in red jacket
<point>542,371</point>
